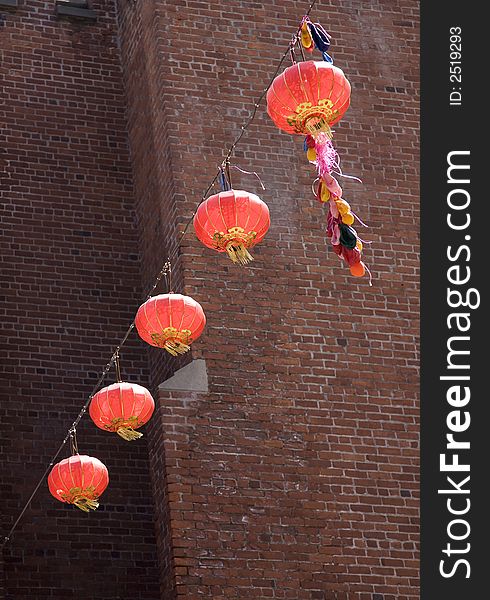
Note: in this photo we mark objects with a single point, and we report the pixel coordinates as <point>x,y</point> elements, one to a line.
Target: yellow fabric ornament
<point>325,193</point>
<point>311,154</point>
<point>342,206</point>
<point>306,39</point>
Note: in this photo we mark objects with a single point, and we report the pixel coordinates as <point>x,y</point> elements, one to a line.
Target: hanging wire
<point>168,277</point>
<point>165,271</point>
<point>73,442</point>
<point>228,174</point>
<point>118,367</point>
<point>301,49</point>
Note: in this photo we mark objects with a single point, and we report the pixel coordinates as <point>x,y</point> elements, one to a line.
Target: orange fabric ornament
<point>358,269</point>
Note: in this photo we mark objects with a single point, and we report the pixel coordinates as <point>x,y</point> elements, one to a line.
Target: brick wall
<point>157,222</point>
<point>70,285</point>
<point>296,476</point>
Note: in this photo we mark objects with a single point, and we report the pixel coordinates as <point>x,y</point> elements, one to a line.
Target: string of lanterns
<point>308,98</point>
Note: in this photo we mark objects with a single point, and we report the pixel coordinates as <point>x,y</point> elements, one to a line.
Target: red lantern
<point>79,480</point>
<point>122,408</point>
<point>170,321</point>
<point>308,98</point>
<point>232,222</point>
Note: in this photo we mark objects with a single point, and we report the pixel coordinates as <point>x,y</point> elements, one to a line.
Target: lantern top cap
<point>167,294</point>
<point>75,457</point>
<point>116,383</point>
<point>318,64</point>
<point>234,192</point>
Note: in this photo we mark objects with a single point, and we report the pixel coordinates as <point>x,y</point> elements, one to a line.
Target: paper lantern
<point>233,221</point>
<point>122,408</point>
<point>308,98</point>
<point>79,480</point>
<point>171,322</point>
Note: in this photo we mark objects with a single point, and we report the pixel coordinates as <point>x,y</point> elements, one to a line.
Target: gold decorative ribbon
<point>313,119</point>
<point>84,499</point>
<point>236,243</point>
<point>173,341</point>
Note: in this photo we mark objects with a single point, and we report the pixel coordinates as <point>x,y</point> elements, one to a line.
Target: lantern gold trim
<point>236,243</point>
<point>83,499</point>
<point>313,119</point>
<point>172,340</point>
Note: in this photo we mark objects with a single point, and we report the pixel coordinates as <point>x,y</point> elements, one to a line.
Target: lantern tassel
<point>239,253</point>
<point>326,155</point>
<point>128,433</point>
<point>86,504</point>
<point>176,348</point>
